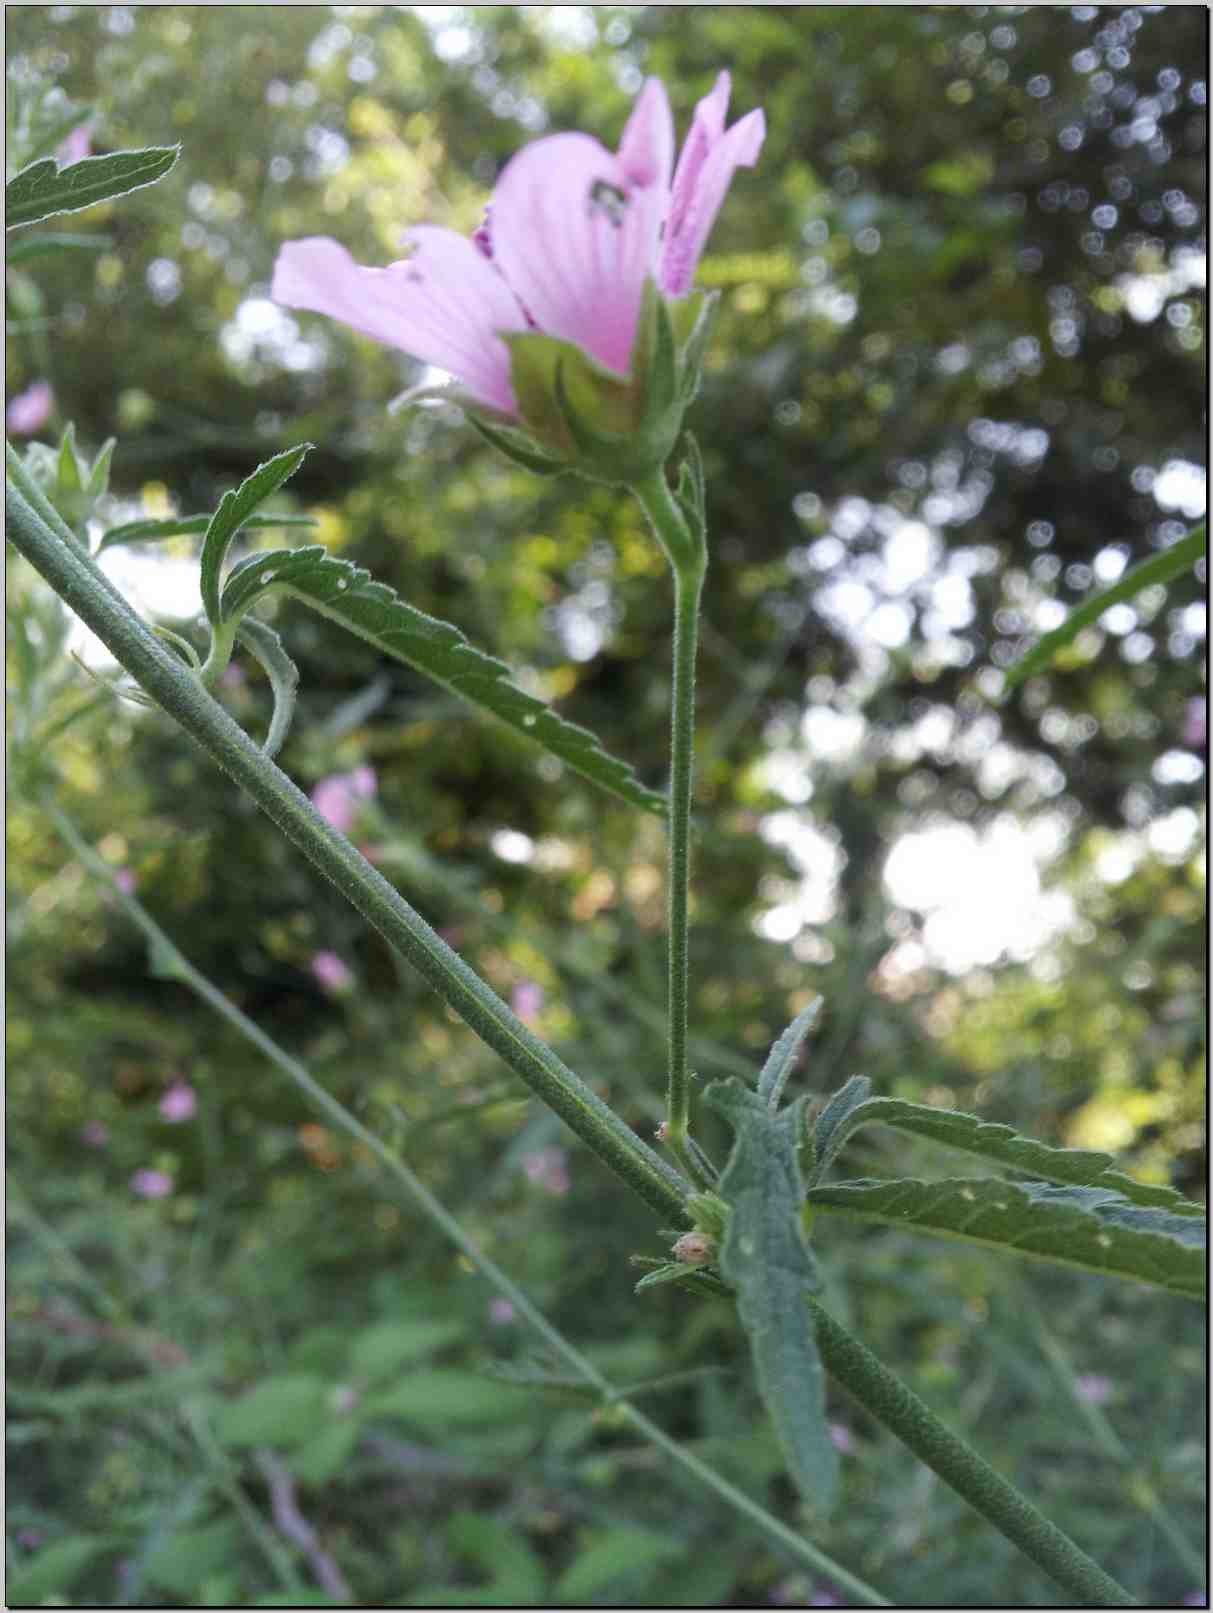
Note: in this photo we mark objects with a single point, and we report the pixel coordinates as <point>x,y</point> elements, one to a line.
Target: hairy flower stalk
<point>569,323</point>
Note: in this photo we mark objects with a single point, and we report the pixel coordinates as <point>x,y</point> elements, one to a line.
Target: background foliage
<point>957,383</point>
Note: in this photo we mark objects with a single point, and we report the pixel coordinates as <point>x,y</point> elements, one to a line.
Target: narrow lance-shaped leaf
<point>373,611</point>
<point>1088,1227</point>
<point>766,1259</point>
<point>1160,568</point>
<point>851,1108</point>
<point>44,189</point>
<point>235,507</point>
<point>783,1054</point>
<point>178,526</point>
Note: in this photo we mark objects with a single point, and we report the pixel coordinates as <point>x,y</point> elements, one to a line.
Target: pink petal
<point>575,254</point>
<point>646,151</point>
<point>30,410</point>
<point>701,181</point>
<point>444,305</point>
<point>707,126</point>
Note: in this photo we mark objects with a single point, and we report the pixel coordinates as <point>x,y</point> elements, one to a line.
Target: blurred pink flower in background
<point>548,1168</point>
<point>331,972</point>
<point>501,1312</point>
<point>77,146</point>
<point>572,233</point>
<point>30,410</point>
<point>178,1103</point>
<point>840,1438</point>
<point>151,1184</point>
<point>1094,1388</point>
<point>526,1000</point>
<point>95,1134</point>
<point>125,880</point>
<point>1195,731</point>
<point>338,797</point>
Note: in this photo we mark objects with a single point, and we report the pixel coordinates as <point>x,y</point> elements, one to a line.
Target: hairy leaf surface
<point>235,507</point>
<point>766,1259</point>
<point>852,1107</point>
<point>177,526</point>
<point>348,595</point>
<point>44,189</point>
<point>782,1056</point>
<point>1090,1227</point>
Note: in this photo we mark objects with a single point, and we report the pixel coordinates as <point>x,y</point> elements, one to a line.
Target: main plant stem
<point>77,579</point>
<point>687,552</point>
<point>895,1405</point>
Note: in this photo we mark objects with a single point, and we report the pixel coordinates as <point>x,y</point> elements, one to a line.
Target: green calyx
<point>71,482</point>
<point>578,416</point>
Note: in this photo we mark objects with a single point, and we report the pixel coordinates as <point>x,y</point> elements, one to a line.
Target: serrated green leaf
<point>833,1128</point>
<point>54,1570</point>
<point>44,189</point>
<point>348,595</point>
<point>283,1411</point>
<point>765,1258</point>
<point>52,244</point>
<point>1073,1167</point>
<point>382,1350</point>
<point>1160,568</point>
<point>235,507</point>
<point>616,1557</point>
<point>782,1056</point>
<point>1089,1227</point>
<point>178,526</point>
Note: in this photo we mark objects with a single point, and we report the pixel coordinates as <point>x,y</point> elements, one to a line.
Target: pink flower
<point>30,410</point>
<point>526,1000</point>
<point>125,880</point>
<point>331,972</point>
<point>338,796</point>
<point>1195,731</point>
<point>501,1312</point>
<point>571,235</point>
<point>548,1168</point>
<point>151,1184</point>
<point>95,1134</point>
<point>178,1103</point>
<point>1094,1388</point>
<point>76,147</point>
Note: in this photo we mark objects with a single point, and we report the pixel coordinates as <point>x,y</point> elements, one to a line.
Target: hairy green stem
<point>687,554</point>
<point>889,1400</point>
<point>80,583</point>
<point>171,962</point>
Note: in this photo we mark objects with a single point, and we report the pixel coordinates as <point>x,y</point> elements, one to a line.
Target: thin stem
<point>75,577</point>
<point>172,962</point>
<point>687,554</point>
<point>889,1400</point>
<point>1140,1490</point>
